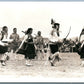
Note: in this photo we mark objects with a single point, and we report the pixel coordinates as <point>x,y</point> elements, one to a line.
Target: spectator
<point>16,40</point>
<point>39,45</point>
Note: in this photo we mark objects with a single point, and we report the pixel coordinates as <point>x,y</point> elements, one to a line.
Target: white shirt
<point>53,36</point>
<point>82,38</point>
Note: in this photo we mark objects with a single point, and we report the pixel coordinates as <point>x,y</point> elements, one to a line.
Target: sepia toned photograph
<point>41,41</point>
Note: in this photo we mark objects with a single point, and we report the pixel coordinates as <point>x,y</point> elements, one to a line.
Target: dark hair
<point>82,30</point>
<point>28,30</point>
<point>4,28</point>
<point>39,31</point>
<point>56,24</point>
<point>14,28</point>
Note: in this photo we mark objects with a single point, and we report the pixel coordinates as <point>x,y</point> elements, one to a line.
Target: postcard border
<point>41,82</point>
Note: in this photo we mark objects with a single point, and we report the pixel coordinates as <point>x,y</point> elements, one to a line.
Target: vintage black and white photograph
<point>41,41</point>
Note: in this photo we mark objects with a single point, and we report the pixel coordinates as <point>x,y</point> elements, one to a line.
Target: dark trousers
<point>53,48</point>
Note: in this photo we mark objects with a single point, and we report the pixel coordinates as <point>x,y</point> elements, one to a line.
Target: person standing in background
<point>16,40</point>
<point>39,45</point>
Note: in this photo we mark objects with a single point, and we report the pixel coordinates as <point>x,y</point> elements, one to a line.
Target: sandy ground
<point>67,70</point>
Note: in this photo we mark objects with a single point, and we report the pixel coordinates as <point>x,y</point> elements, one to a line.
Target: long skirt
<point>3,50</point>
<point>30,52</point>
<point>81,52</point>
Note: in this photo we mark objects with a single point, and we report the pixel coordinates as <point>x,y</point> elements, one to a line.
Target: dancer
<point>80,46</point>
<point>4,46</point>
<point>54,40</point>
<point>29,48</point>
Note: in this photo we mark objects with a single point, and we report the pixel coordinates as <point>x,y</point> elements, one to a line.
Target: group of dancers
<point>29,48</point>
<point>8,44</point>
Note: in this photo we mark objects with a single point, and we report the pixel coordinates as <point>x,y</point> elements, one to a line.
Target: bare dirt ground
<point>65,70</point>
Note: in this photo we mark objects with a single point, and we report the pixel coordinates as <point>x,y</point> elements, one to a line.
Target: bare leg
<point>3,63</point>
<point>28,62</point>
<point>4,58</point>
<point>82,63</point>
<point>53,58</point>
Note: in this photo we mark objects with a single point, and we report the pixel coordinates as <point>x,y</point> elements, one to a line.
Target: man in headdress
<point>54,40</point>
<point>4,33</point>
<point>55,26</point>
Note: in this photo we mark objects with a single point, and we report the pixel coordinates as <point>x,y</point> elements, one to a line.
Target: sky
<point>37,15</point>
